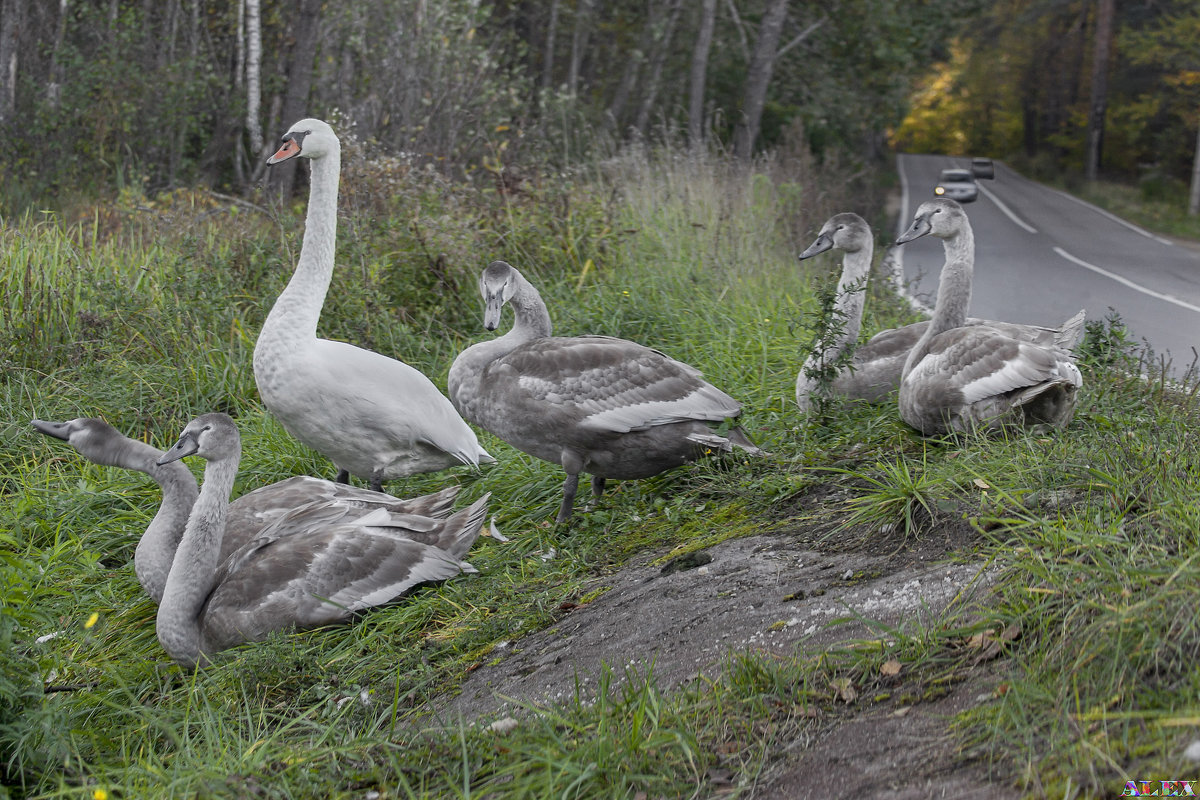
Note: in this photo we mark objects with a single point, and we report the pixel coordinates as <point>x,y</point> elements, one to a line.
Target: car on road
<point>957,184</point>
<point>983,168</point>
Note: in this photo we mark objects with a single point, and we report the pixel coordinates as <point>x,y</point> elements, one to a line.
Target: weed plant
<point>145,312</point>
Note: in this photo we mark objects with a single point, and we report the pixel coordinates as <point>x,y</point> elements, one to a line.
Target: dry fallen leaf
<point>981,483</point>
<point>980,639</point>
<point>889,668</point>
<point>843,690</point>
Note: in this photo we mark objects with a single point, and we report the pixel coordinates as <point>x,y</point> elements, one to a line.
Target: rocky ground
<point>775,593</point>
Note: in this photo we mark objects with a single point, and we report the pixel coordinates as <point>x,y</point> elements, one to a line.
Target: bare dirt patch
<point>774,593</point>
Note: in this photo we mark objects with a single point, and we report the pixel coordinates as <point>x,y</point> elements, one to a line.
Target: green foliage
<point>690,255</point>
<point>1016,85</point>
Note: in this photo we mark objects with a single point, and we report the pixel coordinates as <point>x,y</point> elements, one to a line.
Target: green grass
<point>1157,206</point>
<point>145,313</point>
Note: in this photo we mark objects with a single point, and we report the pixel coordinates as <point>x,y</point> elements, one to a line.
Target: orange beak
<point>289,149</point>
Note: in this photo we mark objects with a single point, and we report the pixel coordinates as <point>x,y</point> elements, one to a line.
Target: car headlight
<point>940,190</point>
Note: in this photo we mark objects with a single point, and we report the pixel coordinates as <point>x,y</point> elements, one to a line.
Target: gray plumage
<point>373,416</point>
<point>873,372</point>
<point>306,569</point>
<point>101,443</point>
<point>609,407</point>
<point>958,377</point>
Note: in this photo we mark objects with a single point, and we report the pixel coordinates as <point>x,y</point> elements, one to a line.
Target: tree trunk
<point>166,48</point>
<point>657,60</point>
<point>299,82</point>
<point>758,79</point>
<point>579,41</point>
<point>699,73</point>
<point>1194,194</point>
<point>1099,97</point>
<point>633,64</point>
<point>254,76</point>
<point>54,87</point>
<point>12,19</point>
<point>548,59</point>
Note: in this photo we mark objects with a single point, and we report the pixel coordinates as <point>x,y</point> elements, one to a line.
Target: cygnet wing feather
<point>616,385</point>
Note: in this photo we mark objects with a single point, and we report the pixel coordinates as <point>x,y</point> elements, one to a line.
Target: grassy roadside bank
<point>146,314</point>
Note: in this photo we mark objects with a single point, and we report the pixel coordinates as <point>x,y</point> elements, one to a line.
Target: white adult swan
<point>373,416</point>
<point>304,570</point>
<point>873,371</point>
<point>595,404</point>
<point>958,378</point>
<point>101,443</point>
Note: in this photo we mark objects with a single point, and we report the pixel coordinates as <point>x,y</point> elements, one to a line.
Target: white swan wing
<point>379,402</point>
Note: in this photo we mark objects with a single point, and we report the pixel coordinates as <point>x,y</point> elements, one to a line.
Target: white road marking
<point>1007,211</point>
<point>1125,281</point>
<point>1116,219</point>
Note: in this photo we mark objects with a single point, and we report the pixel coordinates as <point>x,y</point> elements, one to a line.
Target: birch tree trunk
<point>254,76</point>
<point>699,73</point>
<point>758,79</point>
<point>1099,98</point>
<point>12,18</point>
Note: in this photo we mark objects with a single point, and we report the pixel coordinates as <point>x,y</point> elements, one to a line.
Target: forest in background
<point>104,94</point>
<point>100,95</point>
<point>1075,88</point>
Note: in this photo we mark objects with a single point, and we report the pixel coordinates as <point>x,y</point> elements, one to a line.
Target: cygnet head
<point>848,232</point>
<point>308,138</point>
<point>211,436</point>
<point>941,217</point>
<point>95,439</point>
<point>497,284</point>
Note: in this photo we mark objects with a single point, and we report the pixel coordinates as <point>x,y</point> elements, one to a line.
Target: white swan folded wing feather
<point>391,403</point>
<point>616,385</point>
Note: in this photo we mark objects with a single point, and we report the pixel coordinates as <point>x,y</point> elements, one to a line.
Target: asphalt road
<point>1041,255</point>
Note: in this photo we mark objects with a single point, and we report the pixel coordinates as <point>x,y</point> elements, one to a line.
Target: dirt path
<point>773,593</point>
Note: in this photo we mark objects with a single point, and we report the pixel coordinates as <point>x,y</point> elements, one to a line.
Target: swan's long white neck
<point>194,569</point>
<point>295,314</point>
<point>156,549</point>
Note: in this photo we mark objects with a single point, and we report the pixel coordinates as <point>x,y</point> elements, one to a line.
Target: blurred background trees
<point>1025,78</point>
<point>103,95</point>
